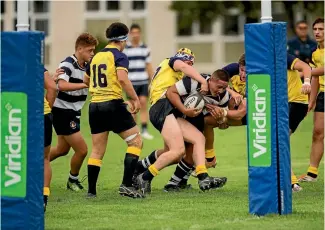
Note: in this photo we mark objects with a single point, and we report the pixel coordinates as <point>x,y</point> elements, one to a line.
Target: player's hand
<point>204,88</point>
<point>57,73</point>
<point>311,105</point>
<point>215,111</point>
<point>192,112</point>
<point>223,125</point>
<point>135,106</point>
<point>306,88</point>
<point>237,97</point>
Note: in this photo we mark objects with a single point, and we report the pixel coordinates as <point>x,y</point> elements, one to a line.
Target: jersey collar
<point>112,47</point>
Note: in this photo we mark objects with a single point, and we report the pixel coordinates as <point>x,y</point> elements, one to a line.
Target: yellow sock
<point>152,169</point>
<point>312,170</point>
<point>134,150</point>
<point>209,153</point>
<point>46,191</point>
<point>95,162</point>
<point>200,169</point>
<point>294,179</point>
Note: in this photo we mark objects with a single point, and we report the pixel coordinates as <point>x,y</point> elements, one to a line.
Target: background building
<point>215,43</point>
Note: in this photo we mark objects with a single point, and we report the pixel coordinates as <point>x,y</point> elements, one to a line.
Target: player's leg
<point>99,118</point>
<point>47,165</point>
<point>125,126</point>
<point>297,112</point>
<point>78,144</point>
<point>173,138</point>
<point>182,172</point>
<point>144,116</point>
<point>317,147</point>
<point>62,148</point>
<point>145,163</point>
<point>210,155</point>
<point>99,143</point>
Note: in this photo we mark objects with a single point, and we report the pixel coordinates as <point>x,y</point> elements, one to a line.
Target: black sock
<point>144,127</point>
<point>187,176</point>
<point>181,171</point>
<point>45,198</point>
<point>130,162</point>
<point>93,172</point>
<point>202,176</point>
<point>147,175</point>
<point>312,175</point>
<point>146,162</point>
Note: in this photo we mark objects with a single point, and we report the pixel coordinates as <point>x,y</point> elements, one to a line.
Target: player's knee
<point>318,134</point>
<point>134,143</point>
<point>83,151</point>
<point>199,139</point>
<point>178,151</point>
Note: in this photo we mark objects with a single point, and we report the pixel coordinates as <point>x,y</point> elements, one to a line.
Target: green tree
<point>210,10</point>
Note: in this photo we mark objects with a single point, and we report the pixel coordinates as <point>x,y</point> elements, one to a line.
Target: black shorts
<point>66,121</point>
<point>141,90</point>
<point>197,121</point>
<point>297,112</point>
<point>320,103</point>
<point>159,111</point>
<point>110,116</point>
<point>48,129</point>
<point>244,120</point>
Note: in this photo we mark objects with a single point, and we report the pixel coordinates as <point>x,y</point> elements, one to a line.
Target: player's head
<point>186,55</point>
<point>218,82</point>
<point>242,67</point>
<point>135,33</point>
<point>318,30</point>
<point>301,29</point>
<point>117,33</point>
<point>85,46</point>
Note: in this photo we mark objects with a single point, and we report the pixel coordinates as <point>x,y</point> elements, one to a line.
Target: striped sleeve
<point>186,86</point>
<point>68,68</point>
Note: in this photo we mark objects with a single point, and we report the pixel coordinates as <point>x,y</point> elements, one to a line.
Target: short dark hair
<point>135,26</point>
<point>241,60</point>
<point>86,39</point>
<point>301,22</point>
<point>116,29</point>
<point>220,74</point>
<point>318,20</point>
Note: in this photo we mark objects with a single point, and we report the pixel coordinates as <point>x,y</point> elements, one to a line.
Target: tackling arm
<point>175,99</point>
<point>189,71</point>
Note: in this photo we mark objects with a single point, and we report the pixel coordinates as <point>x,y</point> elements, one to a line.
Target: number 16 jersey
<point>102,71</point>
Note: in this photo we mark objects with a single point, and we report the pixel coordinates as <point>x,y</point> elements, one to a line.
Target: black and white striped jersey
<point>187,86</point>
<point>74,73</point>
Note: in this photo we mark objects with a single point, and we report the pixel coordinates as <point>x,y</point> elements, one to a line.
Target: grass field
<point>226,208</point>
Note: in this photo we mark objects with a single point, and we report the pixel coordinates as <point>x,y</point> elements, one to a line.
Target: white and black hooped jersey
<point>138,59</point>
<point>74,73</point>
<point>187,86</point>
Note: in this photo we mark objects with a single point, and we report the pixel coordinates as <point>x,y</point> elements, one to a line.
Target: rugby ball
<point>194,101</point>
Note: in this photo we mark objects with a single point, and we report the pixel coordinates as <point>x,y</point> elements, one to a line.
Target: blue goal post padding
<point>268,119</point>
<point>22,139</point>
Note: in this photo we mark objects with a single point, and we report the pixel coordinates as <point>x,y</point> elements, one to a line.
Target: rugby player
<point>317,101</point>
<point>50,87</point>
<point>67,107</point>
<point>108,75</point>
<point>217,95</point>
<point>298,98</point>
<point>173,128</point>
<point>140,72</point>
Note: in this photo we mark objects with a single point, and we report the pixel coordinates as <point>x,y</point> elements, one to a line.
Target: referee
<point>140,72</point>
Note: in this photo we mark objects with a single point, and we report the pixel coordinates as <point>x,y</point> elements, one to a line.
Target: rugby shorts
<point>48,129</point>
<point>320,103</point>
<point>66,121</point>
<point>297,112</point>
<point>162,108</point>
<point>110,116</point>
<point>141,90</point>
